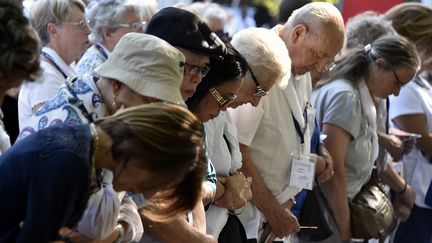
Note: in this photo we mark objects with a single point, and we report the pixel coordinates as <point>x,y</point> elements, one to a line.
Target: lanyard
<point>101,50</point>
<point>297,125</point>
<point>51,60</point>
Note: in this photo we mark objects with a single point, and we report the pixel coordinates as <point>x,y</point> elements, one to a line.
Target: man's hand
<point>282,222</point>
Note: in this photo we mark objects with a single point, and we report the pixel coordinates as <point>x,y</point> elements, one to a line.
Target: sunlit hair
<point>232,68</point>
<point>317,17</point>
<point>366,27</point>
<point>396,51</point>
<point>58,12</point>
<point>265,53</point>
<point>166,139</point>
<point>414,21</point>
<point>19,46</point>
<point>109,13</point>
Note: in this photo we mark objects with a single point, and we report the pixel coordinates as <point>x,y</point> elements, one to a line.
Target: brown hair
<point>19,46</point>
<point>167,139</point>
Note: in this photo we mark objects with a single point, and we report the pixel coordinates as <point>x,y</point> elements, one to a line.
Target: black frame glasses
<point>260,92</point>
<point>398,82</point>
<point>221,100</point>
<point>196,69</point>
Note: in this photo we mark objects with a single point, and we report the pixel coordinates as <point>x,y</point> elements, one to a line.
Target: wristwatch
<point>119,239</point>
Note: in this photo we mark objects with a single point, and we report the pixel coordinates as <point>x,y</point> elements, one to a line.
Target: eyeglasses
<point>221,100</point>
<point>136,26</point>
<point>196,69</point>
<point>398,82</point>
<point>80,25</point>
<point>260,92</point>
<point>329,67</point>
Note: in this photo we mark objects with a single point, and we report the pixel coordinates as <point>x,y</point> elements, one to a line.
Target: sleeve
<point>247,120</point>
<point>406,103</point>
<point>210,177</point>
<point>129,214</point>
<point>56,196</point>
<point>103,209</point>
<point>343,109</point>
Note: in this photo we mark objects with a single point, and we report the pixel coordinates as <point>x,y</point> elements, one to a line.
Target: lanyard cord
<point>297,125</point>
<point>51,60</point>
<point>101,50</point>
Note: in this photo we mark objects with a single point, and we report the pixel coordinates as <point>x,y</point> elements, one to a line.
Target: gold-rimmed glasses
<point>221,100</point>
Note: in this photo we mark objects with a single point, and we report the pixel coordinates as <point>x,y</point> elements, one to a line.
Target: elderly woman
<point>411,111</point>
<point>346,113</point>
<point>142,69</point>
<point>63,30</point>
<point>19,48</point>
<point>153,149</point>
<point>109,21</point>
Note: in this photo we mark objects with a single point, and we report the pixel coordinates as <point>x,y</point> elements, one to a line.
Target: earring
<point>113,104</point>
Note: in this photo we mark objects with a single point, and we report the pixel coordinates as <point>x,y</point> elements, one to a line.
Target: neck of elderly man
<point>313,37</point>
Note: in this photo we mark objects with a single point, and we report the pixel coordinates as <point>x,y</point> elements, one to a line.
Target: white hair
<point>266,54</point>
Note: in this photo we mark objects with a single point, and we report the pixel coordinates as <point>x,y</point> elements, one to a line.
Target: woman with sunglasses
<point>62,29</point>
<point>346,113</point>
<point>109,20</point>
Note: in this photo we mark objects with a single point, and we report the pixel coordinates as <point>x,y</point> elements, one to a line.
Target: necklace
<point>94,150</point>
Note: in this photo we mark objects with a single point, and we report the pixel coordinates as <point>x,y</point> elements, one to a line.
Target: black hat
<point>184,29</point>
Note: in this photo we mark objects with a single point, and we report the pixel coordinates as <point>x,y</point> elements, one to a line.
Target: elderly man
<point>278,130</point>
<point>192,37</point>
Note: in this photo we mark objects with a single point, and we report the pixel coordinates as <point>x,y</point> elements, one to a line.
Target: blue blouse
<point>45,181</point>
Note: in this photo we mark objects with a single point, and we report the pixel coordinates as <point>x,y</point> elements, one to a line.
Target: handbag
<point>316,212</point>
<point>371,211</point>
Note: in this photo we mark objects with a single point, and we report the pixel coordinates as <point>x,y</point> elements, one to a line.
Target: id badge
<point>303,171</point>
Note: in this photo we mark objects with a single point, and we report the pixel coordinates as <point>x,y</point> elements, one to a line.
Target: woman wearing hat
<point>141,69</point>
<point>154,149</point>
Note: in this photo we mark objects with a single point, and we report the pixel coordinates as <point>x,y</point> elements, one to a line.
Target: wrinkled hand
<point>395,147</point>
<point>401,210</point>
<point>282,222</point>
<point>237,191</point>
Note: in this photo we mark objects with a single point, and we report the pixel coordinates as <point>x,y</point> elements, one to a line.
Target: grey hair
<point>109,13</point>
<point>214,12</point>
<point>58,12</point>
<point>265,53</point>
<point>395,50</point>
<point>366,27</point>
<point>317,16</point>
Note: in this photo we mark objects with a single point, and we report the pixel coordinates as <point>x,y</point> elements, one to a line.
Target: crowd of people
<point>139,124</point>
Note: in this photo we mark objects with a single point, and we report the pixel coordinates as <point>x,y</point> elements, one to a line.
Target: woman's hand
<point>237,191</point>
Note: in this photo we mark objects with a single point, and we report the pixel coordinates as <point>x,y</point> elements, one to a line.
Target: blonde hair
<point>44,12</point>
<point>265,53</point>
<point>166,139</point>
<point>414,21</point>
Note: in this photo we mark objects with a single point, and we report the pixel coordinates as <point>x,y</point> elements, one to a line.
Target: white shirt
<point>268,130</point>
<point>44,88</point>
<point>225,159</point>
<point>415,99</point>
